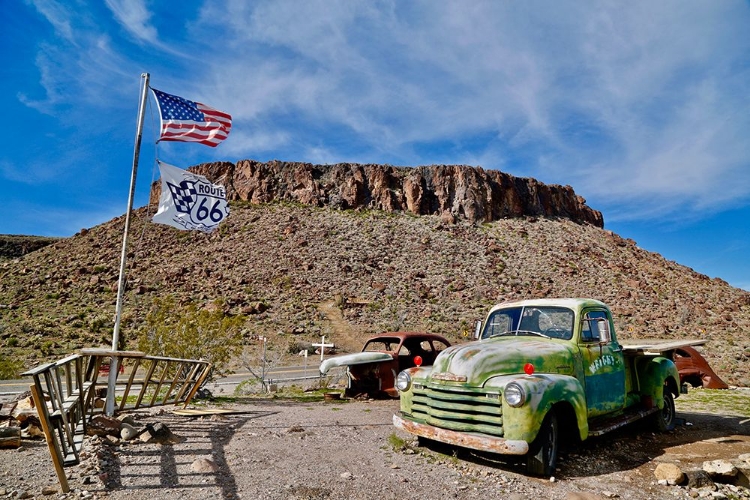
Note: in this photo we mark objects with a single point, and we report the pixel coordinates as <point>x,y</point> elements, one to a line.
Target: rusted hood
<point>358,358</point>
<point>476,362</point>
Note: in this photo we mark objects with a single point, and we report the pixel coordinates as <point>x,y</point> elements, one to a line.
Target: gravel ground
<point>350,449</point>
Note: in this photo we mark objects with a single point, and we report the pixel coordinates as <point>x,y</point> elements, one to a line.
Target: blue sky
<point>642,107</point>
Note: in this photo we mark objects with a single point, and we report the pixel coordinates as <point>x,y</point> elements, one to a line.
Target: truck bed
<point>656,347</point>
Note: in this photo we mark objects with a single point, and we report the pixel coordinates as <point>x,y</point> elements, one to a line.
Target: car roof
<point>575,304</point>
<point>408,335</point>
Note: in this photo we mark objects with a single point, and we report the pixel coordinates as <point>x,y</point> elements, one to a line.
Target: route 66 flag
<point>190,201</point>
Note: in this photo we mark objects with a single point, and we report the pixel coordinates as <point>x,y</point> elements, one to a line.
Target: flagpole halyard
<point>113,367</point>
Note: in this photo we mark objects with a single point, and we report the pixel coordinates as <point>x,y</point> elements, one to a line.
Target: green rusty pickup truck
<point>536,371</point>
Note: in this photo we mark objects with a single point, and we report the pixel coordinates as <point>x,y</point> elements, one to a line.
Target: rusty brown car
<point>373,371</point>
<point>694,369</point>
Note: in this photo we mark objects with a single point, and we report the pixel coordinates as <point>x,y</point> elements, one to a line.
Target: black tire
<point>664,419</point>
<point>542,456</point>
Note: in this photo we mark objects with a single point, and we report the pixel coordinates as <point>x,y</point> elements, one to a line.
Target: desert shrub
<point>98,323</point>
<point>10,367</point>
<point>188,332</point>
<point>258,360</point>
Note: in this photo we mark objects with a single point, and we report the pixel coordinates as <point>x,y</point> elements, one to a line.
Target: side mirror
<point>605,335</point>
<point>477,329</point>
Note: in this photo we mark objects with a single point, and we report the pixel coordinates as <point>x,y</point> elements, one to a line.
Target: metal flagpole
<point>114,361</point>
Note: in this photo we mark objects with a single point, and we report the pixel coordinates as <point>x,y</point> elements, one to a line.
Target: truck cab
<point>536,369</point>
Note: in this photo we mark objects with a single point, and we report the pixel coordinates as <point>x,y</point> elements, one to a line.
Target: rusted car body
<point>373,371</point>
<point>694,369</point>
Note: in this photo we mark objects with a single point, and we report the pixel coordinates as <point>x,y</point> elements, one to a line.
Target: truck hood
<point>476,362</point>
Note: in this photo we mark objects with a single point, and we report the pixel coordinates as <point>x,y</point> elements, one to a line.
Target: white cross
<point>322,346</point>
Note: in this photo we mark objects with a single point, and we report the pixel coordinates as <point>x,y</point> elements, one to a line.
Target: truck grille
<point>457,409</point>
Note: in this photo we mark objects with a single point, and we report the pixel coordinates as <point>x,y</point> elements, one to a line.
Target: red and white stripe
<point>210,132</point>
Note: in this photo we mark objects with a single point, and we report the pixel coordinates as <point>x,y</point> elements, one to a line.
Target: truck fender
<point>653,374</point>
<point>543,391</point>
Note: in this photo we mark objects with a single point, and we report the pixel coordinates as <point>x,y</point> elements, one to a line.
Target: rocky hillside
<point>300,270</point>
<point>13,246</point>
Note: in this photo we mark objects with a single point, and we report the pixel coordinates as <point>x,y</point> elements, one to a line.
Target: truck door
<point>603,365</point>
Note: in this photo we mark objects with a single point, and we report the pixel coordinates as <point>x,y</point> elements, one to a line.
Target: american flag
<point>188,121</point>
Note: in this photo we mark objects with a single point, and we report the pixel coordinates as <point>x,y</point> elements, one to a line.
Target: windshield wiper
<point>532,332</point>
<point>518,332</point>
<point>500,334</point>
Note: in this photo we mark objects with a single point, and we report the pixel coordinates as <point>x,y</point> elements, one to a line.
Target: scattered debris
<point>669,474</point>
<point>10,437</point>
<point>720,469</point>
<point>204,465</point>
<point>159,433</point>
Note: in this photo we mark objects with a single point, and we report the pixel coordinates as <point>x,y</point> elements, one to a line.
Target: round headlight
<point>515,395</point>
<point>403,381</point>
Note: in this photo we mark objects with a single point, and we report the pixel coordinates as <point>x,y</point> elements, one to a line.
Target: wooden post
<point>54,450</point>
<point>10,437</point>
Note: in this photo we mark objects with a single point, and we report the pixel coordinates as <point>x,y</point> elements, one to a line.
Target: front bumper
<point>474,441</point>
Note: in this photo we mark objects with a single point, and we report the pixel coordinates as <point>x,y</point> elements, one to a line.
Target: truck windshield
<point>553,322</point>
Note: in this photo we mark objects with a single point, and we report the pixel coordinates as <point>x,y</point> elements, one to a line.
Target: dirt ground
<point>274,449</point>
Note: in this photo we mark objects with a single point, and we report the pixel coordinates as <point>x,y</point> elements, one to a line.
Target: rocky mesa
<point>451,191</point>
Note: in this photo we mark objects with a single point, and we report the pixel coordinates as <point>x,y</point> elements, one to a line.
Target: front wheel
<point>664,419</point>
<point>542,455</point>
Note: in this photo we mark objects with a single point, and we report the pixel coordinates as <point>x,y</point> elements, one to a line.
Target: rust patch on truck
<point>481,442</point>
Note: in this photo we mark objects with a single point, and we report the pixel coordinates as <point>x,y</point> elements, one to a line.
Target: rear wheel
<point>664,419</point>
<point>542,456</point>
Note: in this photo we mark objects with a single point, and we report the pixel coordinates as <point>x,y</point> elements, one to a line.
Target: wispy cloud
<point>642,107</point>
<point>638,106</point>
<point>58,15</point>
<point>135,17</point>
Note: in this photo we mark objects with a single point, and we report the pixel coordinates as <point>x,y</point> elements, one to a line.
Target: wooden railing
<point>67,393</point>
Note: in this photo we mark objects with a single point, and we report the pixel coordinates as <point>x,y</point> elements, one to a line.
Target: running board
<point>609,425</point>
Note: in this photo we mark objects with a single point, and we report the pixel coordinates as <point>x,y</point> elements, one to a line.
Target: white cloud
<point>631,90</point>
<point>57,14</point>
<point>135,18</point>
<point>641,106</point>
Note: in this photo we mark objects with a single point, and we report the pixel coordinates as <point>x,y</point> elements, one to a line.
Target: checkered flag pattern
<point>184,195</point>
<point>189,201</point>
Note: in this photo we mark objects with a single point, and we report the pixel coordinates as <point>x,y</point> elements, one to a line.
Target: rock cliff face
<point>451,191</point>
<point>13,246</point>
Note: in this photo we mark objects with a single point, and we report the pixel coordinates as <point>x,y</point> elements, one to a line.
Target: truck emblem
<point>449,377</point>
<point>599,363</point>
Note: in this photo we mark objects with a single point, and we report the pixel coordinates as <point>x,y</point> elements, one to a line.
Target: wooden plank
<point>58,396</point>
<point>133,369</point>
<point>160,383</point>
<point>146,382</point>
<point>189,380</point>
<point>101,352</point>
<point>652,346</point>
<point>177,377</point>
<point>186,412</point>
<point>10,437</point>
<point>67,360</point>
<point>54,449</point>
<point>36,370</point>
<point>198,383</point>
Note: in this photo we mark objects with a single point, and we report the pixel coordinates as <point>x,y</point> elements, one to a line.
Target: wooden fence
<point>69,392</point>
